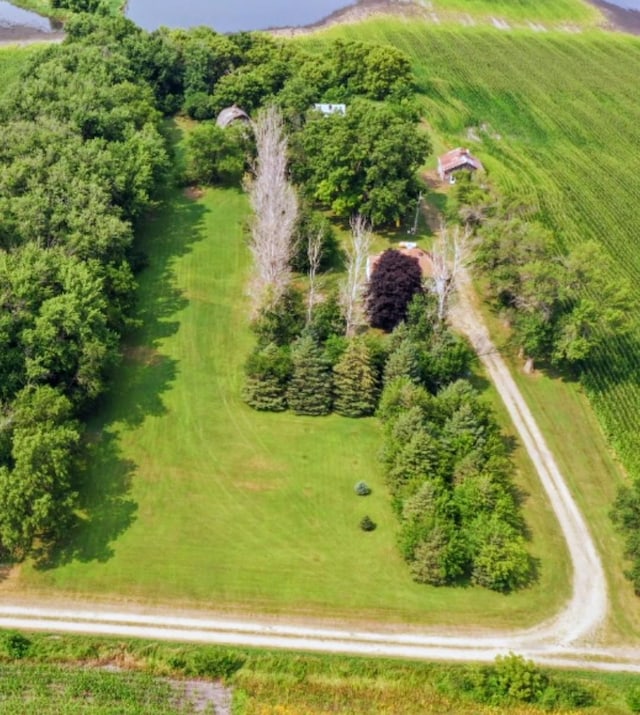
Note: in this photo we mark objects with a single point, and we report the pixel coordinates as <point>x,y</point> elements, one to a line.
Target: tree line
<point>83,158</point>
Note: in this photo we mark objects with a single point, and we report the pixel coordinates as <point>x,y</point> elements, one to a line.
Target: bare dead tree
<point>314,255</point>
<point>352,289</point>
<point>449,253</point>
<point>275,208</point>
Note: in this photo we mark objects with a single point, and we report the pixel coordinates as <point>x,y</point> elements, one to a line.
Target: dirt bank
<point>618,18</point>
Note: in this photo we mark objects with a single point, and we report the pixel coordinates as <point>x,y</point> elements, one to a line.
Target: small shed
<point>457,160</point>
<point>328,109</point>
<point>231,114</point>
<point>425,261</point>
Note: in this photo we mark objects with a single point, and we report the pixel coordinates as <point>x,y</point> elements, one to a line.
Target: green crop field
<point>518,11</point>
<point>191,497</point>
<point>58,690</point>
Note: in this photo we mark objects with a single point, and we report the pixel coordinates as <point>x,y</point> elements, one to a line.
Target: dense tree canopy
<point>365,161</point>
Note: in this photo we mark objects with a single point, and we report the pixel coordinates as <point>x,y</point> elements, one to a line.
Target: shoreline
<point>615,19</point>
<point>618,19</point>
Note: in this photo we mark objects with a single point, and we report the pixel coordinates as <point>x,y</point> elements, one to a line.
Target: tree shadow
<point>103,476</point>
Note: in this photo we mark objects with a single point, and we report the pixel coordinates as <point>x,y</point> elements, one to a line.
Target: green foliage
<point>355,381</point>
<point>310,387</point>
<point>362,489</point>
<point>626,517</point>
<point>554,316</point>
<point>16,645</point>
<point>633,699</point>
<point>268,371</point>
<point>513,678</point>
<point>367,524</point>
<point>364,162</point>
<point>216,155</point>
<point>281,323</point>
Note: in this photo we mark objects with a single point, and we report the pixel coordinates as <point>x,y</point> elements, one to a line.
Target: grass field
<point>193,498</point>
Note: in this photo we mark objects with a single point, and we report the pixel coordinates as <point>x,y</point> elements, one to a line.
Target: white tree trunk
<point>352,289</point>
<point>275,207</point>
<point>450,253</point>
<point>314,254</point>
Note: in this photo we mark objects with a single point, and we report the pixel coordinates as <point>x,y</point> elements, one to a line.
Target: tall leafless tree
<point>352,290</point>
<point>275,208</point>
<point>314,256</point>
<point>450,253</point>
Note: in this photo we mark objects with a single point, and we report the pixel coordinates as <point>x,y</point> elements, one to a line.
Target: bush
<point>214,663</point>
<point>362,489</point>
<point>633,699</point>
<point>16,645</point>
<point>367,524</point>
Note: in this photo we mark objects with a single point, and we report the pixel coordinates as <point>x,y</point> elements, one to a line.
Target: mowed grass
<point>192,498</point>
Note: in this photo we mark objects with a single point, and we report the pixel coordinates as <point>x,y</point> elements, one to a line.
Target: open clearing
<point>194,499</point>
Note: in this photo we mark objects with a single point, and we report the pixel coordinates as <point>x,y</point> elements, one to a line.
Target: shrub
<point>367,524</point>
<point>16,645</point>
<point>362,489</point>
<point>633,699</point>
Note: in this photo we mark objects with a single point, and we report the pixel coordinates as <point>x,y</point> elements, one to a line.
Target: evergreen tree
<point>311,385</point>
<point>268,370</point>
<point>355,381</point>
<point>404,361</point>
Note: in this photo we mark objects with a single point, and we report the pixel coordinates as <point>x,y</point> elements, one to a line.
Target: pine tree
<point>311,386</point>
<point>404,361</point>
<point>268,370</point>
<point>355,381</point>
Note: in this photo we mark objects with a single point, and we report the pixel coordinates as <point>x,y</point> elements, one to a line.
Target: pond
<point>18,22</point>
<point>230,16</point>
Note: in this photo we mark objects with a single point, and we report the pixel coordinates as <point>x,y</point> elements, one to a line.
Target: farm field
<point>519,11</point>
<point>192,498</point>
<point>59,690</point>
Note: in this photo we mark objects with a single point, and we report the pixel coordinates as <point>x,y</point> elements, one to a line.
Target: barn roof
<point>458,159</point>
<point>423,257</point>
<point>231,114</point>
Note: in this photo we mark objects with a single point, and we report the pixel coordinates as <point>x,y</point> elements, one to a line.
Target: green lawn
<point>193,498</point>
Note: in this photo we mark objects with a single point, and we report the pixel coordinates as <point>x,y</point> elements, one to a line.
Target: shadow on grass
<point>103,478</point>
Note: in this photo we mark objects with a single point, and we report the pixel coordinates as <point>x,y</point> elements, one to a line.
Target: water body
<point>19,24</point>
<point>230,16</point>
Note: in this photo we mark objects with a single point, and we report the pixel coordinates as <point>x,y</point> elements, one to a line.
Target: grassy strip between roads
<point>78,674</point>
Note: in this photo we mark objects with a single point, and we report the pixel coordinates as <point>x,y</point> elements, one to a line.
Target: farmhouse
<point>457,160</point>
<point>425,261</point>
<point>328,109</point>
<point>231,114</point>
